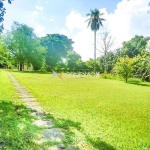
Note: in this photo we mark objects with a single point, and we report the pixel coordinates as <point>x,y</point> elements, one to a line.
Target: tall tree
<point>95,21</point>
<point>72,60</point>
<point>57,48</point>
<point>22,44</point>
<point>4,56</point>
<point>135,46</point>
<point>106,43</point>
<point>142,66</point>
<point>89,65</point>
<point>124,67</point>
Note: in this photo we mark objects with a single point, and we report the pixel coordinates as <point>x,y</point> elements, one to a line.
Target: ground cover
<point>16,129</point>
<point>111,113</point>
<point>7,91</point>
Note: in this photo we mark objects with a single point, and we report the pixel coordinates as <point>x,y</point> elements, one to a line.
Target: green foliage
<point>95,20</point>
<point>142,66</point>
<point>90,64</point>
<point>73,60</point>
<point>124,67</point>
<point>111,60</point>
<point>135,46</point>
<point>107,76</point>
<point>23,46</point>
<point>134,80</point>
<point>57,48</point>
<point>4,56</point>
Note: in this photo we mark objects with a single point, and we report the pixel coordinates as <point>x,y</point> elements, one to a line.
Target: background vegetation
<point>20,48</point>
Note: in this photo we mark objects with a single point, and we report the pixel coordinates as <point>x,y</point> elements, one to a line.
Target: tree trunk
<point>126,78</point>
<point>20,67</point>
<point>105,62</point>
<point>94,52</point>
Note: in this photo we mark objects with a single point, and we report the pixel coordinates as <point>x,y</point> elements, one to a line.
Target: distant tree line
<point>21,47</point>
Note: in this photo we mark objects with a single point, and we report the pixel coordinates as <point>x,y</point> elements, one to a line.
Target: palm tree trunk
<point>105,62</point>
<point>94,51</point>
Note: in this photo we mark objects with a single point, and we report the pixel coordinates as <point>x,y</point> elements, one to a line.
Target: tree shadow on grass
<point>16,129</point>
<point>99,144</point>
<point>66,124</point>
<point>33,72</point>
<point>14,117</point>
<point>140,84</point>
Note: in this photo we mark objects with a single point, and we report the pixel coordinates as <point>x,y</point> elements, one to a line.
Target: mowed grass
<point>7,90</point>
<point>16,129</point>
<point>113,114</point>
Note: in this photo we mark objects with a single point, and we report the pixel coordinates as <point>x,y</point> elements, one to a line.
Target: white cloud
<point>40,30</point>
<point>39,7</point>
<point>129,19</point>
<point>83,37</point>
<point>64,32</point>
<point>84,44</point>
<point>75,21</point>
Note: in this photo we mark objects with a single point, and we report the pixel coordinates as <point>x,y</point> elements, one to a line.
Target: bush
<point>107,76</point>
<point>134,80</point>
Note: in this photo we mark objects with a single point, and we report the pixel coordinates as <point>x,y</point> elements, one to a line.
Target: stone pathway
<point>48,133</point>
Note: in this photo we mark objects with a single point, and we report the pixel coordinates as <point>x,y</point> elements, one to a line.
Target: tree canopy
<point>57,48</point>
<point>23,45</point>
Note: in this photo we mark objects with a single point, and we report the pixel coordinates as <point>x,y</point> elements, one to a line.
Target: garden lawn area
<point>7,90</point>
<point>16,129</point>
<point>112,114</point>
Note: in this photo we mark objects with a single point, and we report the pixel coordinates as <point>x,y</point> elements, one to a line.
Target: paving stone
<point>29,99</point>
<point>43,123</point>
<point>53,135</point>
<point>38,114</point>
<point>24,92</point>
<point>37,108</point>
<point>57,147</point>
<point>31,103</point>
<point>25,96</point>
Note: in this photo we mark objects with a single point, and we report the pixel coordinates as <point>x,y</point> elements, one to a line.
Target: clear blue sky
<point>124,18</point>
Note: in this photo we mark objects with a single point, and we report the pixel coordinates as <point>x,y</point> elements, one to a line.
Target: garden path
<point>48,133</point>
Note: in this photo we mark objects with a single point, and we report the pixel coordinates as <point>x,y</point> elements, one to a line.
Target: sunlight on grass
<point>7,90</point>
<point>112,112</point>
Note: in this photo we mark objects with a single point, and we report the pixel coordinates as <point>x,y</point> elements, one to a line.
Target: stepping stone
<point>37,108</point>
<point>53,135</point>
<point>38,114</point>
<point>24,92</point>
<point>25,96</point>
<point>31,99</point>
<point>57,147</point>
<point>28,103</point>
<point>43,123</point>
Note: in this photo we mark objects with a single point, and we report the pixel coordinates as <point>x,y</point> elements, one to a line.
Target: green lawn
<point>112,114</point>
<point>7,90</point>
<point>16,129</point>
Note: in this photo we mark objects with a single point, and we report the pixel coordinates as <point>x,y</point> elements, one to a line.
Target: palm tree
<point>95,21</point>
